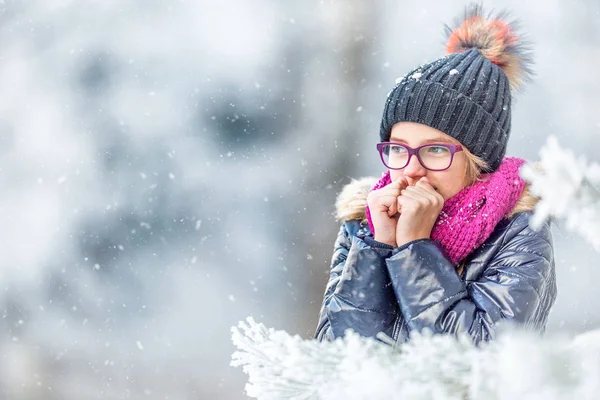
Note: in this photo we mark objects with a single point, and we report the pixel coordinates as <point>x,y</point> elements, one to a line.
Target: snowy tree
<point>281,366</point>
<point>579,199</point>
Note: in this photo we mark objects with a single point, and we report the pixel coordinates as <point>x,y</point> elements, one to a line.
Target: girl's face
<point>448,182</point>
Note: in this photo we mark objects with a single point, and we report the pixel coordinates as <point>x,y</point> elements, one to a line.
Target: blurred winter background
<point>170,167</point>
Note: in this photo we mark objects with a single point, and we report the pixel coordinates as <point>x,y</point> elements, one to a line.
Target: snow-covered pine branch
<point>518,365</point>
<point>568,188</point>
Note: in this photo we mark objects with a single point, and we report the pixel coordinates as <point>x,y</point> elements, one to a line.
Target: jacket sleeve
<point>359,294</point>
<point>518,284</point>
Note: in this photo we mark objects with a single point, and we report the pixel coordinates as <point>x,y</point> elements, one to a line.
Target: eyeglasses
<point>434,157</point>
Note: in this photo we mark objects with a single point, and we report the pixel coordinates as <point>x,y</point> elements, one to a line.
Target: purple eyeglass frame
<point>452,147</point>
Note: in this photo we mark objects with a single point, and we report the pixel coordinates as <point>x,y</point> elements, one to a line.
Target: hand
<point>383,205</point>
<point>419,207</point>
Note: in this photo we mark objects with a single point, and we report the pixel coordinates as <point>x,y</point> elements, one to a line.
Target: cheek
<point>450,190</point>
<point>451,183</point>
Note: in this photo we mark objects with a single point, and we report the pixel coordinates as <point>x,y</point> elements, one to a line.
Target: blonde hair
<point>476,166</point>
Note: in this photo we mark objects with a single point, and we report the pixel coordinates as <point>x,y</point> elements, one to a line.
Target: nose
<point>414,171</point>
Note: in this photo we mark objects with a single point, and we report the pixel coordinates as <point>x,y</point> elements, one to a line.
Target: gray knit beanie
<point>466,94</point>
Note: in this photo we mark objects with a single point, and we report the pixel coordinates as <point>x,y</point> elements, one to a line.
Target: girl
<point>442,240</point>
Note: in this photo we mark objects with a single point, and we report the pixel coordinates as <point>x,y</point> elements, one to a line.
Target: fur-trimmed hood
<point>352,200</point>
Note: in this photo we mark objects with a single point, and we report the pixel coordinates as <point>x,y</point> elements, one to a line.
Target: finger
<point>425,193</point>
<point>399,202</point>
<point>424,183</point>
<point>390,191</point>
<point>427,186</point>
<point>385,202</point>
<point>402,182</point>
<point>417,197</point>
<point>398,184</point>
<point>393,209</point>
<point>388,203</point>
<point>423,196</point>
<point>411,194</point>
<point>406,203</point>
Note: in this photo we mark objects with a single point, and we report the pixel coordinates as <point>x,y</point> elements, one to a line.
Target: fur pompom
<point>497,41</point>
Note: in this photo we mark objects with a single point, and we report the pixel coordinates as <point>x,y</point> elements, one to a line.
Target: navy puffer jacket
<point>376,288</point>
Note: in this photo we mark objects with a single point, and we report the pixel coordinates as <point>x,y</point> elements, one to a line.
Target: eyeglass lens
<point>435,156</point>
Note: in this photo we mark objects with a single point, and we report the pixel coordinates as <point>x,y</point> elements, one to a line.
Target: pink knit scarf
<point>469,218</point>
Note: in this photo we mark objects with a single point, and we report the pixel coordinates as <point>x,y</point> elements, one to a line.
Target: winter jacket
<point>376,288</point>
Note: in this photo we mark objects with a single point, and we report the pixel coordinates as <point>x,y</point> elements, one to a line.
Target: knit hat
<point>466,94</point>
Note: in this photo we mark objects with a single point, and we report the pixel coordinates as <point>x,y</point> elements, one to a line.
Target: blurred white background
<point>170,167</point>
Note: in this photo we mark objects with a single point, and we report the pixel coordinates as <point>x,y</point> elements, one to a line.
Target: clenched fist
<point>419,207</point>
<point>383,204</point>
<point>402,213</point>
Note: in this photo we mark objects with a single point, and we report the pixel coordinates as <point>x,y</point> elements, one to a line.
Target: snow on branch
<point>568,188</point>
<point>517,365</point>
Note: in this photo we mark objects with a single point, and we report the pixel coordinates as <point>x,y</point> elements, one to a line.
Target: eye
<point>397,149</point>
<point>438,150</point>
